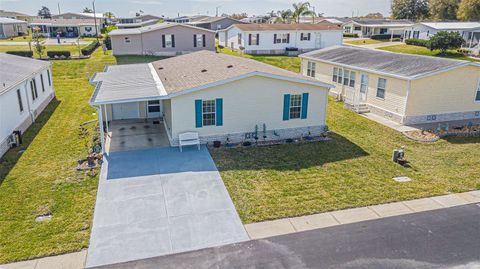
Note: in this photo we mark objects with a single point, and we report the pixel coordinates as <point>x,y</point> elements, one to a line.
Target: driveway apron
<point>160,201</point>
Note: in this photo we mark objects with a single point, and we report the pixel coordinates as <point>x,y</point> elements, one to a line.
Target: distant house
<point>470,31</point>
<point>16,15</point>
<point>136,24</point>
<point>26,88</point>
<point>66,27</point>
<point>280,38</point>
<point>101,20</point>
<point>186,19</point>
<point>12,27</point>
<point>255,19</point>
<point>215,23</point>
<point>137,19</point>
<point>337,21</point>
<point>373,27</point>
<point>407,89</point>
<point>219,96</point>
<point>165,39</point>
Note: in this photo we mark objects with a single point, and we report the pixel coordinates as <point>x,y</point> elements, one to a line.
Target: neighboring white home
<point>255,19</point>
<point>66,27</point>
<point>26,88</point>
<point>136,24</point>
<point>215,23</point>
<point>12,27</point>
<point>16,15</point>
<point>405,88</point>
<point>137,19</point>
<point>371,27</point>
<point>221,97</point>
<point>470,31</point>
<point>163,39</point>
<point>280,38</point>
<point>186,19</point>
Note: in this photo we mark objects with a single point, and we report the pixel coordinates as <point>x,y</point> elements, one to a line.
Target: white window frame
<point>379,88</point>
<point>254,40</point>
<point>239,38</point>
<point>294,108</point>
<point>211,121</point>
<point>335,74</point>
<point>344,76</point>
<point>199,40</point>
<point>477,93</point>
<point>282,38</point>
<point>168,41</point>
<point>126,40</point>
<point>311,69</point>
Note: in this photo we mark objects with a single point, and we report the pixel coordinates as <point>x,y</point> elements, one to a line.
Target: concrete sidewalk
<point>74,260</point>
<point>298,224</point>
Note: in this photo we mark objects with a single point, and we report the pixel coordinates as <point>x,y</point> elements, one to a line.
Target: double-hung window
<point>169,41</point>
<point>199,40</point>
<point>381,86</point>
<point>335,74</point>
<point>477,96</point>
<point>295,106</point>
<point>254,39</point>
<point>340,75</point>
<point>239,36</point>
<point>20,103</point>
<point>352,79</point>
<point>346,77</point>
<point>208,112</point>
<point>281,38</point>
<point>311,67</point>
<point>305,36</point>
<point>33,89</point>
<point>49,79</point>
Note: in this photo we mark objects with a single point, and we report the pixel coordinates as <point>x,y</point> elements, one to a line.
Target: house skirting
<point>23,126</point>
<point>271,135</point>
<point>469,115</point>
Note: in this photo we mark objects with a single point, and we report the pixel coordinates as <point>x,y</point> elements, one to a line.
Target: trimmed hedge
<point>23,53</point>
<point>350,35</point>
<point>90,48</point>
<point>58,54</point>
<point>416,42</point>
<point>384,37</point>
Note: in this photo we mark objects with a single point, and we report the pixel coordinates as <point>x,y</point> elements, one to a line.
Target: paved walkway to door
<point>159,201</point>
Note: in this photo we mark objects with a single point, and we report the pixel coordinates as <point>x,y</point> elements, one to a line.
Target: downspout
<point>409,85</point>
<point>141,43</point>
<point>102,134</point>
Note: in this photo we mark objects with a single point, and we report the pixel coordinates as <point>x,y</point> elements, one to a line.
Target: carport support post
<point>102,134</point>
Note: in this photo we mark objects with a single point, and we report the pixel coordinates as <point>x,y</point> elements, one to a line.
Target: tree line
<point>437,10</point>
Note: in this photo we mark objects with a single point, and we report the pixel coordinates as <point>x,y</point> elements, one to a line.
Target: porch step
<point>360,108</point>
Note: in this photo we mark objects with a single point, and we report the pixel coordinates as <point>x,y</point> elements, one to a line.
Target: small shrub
<point>464,51</point>
<point>23,53</point>
<point>416,42</point>
<point>55,54</point>
<point>220,47</point>
<point>384,37</point>
<point>350,35</point>
<point>444,41</point>
<point>397,39</point>
<point>108,43</point>
<point>90,48</point>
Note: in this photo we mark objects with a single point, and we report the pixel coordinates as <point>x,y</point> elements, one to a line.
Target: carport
<point>128,99</point>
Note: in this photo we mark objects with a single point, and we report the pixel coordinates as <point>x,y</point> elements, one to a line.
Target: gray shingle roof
<point>178,74</point>
<point>10,21</point>
<point>150,28</point>
<point>406,66</point>
<point>15,69</point>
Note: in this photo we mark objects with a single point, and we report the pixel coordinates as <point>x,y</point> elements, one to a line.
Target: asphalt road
<point>440,239</point>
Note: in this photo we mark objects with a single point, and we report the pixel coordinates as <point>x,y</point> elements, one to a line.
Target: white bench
<point>188,139</point>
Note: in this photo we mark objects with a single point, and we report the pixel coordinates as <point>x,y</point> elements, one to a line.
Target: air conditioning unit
<point>15,139</point>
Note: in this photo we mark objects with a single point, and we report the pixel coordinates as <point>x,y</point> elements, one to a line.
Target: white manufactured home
<point>407,89</point>
<point>26,88</point>
<point>280,38</point>
<point>376,27</point>
<point>220,97</point>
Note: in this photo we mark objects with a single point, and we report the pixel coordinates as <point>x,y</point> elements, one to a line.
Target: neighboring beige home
<point>163,39</point>
<point>407,89</point>
<point>219,96</point>
<point>12,27</point>
<point>16,15</point>
<point>66,27</point>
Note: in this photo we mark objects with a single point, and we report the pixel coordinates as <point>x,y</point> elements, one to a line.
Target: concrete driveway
<point>159,201</point>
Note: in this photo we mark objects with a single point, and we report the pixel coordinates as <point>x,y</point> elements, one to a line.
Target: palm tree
<point>302,9</point>
<point>283,16</point>
<point>109,15</point>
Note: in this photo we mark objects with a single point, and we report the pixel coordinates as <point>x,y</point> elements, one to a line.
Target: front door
<point>363,87</point>
<point>154,109</point>
<point>318,40</point>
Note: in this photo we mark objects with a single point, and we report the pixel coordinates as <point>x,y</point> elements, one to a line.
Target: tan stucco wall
<point>395,94</point>
<point>152,41</point>
<point>452,91</point>
<point>250,101</point>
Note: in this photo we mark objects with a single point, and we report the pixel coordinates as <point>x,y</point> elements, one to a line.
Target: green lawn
<point>43,178</point>
<point>365,41</point>
<point>72,48</point>
<point>410,49</point>
<point>353,169</point>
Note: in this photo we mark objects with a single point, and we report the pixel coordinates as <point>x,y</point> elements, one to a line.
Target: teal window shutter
<point>198,113</point>
<point>304,105</point>
<point>219,112</point>
<point>286,107</point>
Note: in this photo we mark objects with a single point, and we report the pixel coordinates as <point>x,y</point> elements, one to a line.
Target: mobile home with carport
<point>220,97</point>
<point>404,88</point>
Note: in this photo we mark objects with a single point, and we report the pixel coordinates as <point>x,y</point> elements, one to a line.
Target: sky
<point>171,8</point>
